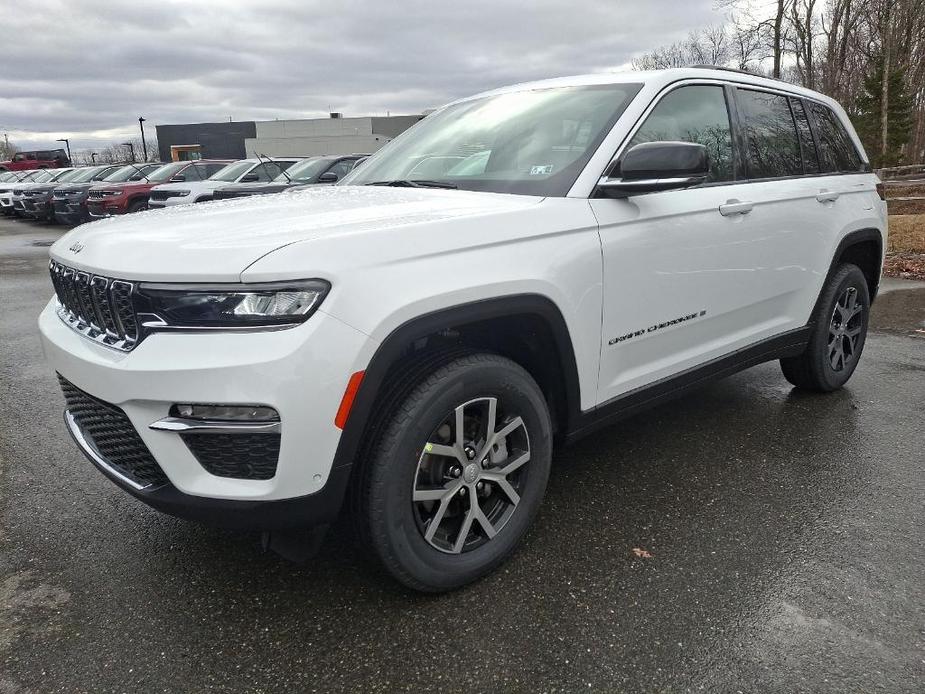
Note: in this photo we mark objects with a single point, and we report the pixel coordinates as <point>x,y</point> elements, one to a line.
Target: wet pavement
<point>781,533</point>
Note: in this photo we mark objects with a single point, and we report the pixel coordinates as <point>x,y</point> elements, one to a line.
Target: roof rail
<point>737,70</point>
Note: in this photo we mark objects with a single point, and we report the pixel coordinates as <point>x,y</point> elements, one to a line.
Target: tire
<point>137,206</point>
<point>838,334</point>
<point>411,512</point>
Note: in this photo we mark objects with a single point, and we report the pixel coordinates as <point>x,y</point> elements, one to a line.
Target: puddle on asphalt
<point>900,311</point>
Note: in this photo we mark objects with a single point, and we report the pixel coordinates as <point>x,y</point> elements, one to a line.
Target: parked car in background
<point>250,171</point>
<point>36,159</point>
<point>69,200</point>
<point>314,171</point>
<point>37,199</point>
<point>20,191</point>
<point>109,199</point>
<point>15,178</point>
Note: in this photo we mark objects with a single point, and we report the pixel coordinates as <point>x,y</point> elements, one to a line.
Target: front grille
<point>241,456</point>
<point>97,307</point>
<point>108,430</point>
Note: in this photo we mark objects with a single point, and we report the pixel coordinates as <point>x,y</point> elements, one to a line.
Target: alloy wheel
<point>470,475</point>
<point>845,329</point>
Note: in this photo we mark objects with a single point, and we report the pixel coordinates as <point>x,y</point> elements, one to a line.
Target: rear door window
<point>807,144</point>
<point>837,151</point>
<point>772,146</point>
<point>693,114</point>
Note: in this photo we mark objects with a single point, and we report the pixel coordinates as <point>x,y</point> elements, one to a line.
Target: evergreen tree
<point>867,119</point>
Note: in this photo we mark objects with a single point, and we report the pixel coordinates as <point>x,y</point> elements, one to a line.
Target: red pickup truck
<point>42,159</point>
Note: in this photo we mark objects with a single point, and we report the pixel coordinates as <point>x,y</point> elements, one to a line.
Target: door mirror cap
<point>179,178</point>
<point>249,178</point>
<point>328,177</point>
<point>656,166</point>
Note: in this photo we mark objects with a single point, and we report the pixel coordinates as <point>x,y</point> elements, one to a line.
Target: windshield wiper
<point>416,183</point>
<point>260,158</point>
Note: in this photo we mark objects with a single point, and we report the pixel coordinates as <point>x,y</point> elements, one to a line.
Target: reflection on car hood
<point>216,242</point>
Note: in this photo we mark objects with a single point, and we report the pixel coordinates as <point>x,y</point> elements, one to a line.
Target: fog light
<point>226,413</point>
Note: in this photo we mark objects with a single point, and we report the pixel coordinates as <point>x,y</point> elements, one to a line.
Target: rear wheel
<point>838,334</point>
<point>458,474</point>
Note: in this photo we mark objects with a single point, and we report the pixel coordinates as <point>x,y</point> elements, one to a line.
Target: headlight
<point>228,306</point>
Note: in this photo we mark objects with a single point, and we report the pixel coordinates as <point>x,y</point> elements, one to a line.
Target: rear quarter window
<point>836,150</point>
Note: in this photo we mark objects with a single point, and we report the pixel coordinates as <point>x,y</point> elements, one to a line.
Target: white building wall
<point>313,146</point>
<point>316,127</point>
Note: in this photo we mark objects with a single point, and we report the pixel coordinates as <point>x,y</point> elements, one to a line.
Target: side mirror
<point>250,178</point>
<point>179,178</point>
<point>328,177</point>
<point>656,166</point>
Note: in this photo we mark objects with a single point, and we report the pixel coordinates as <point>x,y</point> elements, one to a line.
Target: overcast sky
<point>87,69</point>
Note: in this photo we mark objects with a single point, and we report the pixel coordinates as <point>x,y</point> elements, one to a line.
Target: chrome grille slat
<point>97,307</point>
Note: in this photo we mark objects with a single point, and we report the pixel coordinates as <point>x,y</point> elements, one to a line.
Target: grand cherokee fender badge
<point>76,247</point>
<point>657,326</point>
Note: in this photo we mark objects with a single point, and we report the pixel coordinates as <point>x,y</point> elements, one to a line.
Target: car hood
<point>257,187</point>
<point>128,186</point>
<point>75,187</point>
<point>195,186</point>
<point>218,241</point>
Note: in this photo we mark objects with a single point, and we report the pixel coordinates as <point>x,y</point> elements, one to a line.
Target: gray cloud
<point>87,70</point>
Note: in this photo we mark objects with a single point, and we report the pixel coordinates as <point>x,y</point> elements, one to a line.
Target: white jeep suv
<point>242,171</point>
<point>583,248</point>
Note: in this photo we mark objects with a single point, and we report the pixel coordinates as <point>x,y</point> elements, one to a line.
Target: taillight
<point>881,191</point>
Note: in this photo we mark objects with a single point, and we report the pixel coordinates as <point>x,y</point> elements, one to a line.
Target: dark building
<point>204,140</point>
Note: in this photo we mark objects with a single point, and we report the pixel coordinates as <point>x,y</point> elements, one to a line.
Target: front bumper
<point>100,209</point>
<point>172,201</point>
<point>301,372</point>
<point>70,210</point>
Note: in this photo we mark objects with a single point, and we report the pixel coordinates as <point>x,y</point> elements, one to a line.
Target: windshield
<point>84,175</point>
<point>43,177</point>
<point>167,171</point>
<point>304,171</point>
<point>68,176</point>
<point>232,172</point>
<point>130,173</point>
<point>532,142</point>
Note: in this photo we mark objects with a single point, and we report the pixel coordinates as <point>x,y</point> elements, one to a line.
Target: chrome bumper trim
<point>91,452</point>
<point>203,426</point>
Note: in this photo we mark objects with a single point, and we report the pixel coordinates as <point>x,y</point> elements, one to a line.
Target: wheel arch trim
<point>458,315</point>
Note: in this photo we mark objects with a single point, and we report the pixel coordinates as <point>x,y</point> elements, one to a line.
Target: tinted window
<point>810,156</point>
<point>693,114</point>
<point>212,169</point>
<point>836,149</point>
<point>342,168</point>
<point>772,148</point>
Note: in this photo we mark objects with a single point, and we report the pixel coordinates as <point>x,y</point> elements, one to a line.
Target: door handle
<point>734,207</point>
<point>827,196</point>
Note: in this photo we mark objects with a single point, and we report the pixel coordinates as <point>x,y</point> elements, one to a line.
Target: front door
<point>689,275</point>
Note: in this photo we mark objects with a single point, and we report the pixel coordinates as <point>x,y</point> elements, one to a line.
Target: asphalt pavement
<point>748,537</point>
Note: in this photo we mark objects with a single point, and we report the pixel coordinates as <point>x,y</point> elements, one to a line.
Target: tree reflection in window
<point>772,144</point>
<point>835,147</point>
<point>693,114</point>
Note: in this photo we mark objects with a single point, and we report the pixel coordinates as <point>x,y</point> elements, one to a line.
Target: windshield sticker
<point>657,326</point>
<point>543,170</point>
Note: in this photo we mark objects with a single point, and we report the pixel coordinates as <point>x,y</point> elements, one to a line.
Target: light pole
<point>93,157</point>
<point>131,149</point>
<point>144,145</point>
<point>67,144</point>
